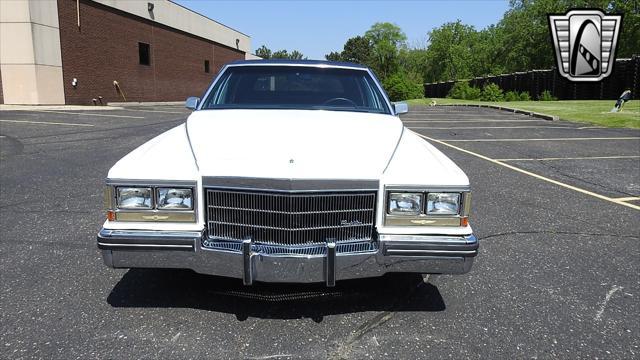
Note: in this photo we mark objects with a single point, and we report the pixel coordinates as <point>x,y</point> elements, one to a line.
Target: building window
<point>144,53</point>
<point>206,66</point>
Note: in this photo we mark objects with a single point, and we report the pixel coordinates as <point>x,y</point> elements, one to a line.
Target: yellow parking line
<point>459,113</point>
<point>45,123</point>
<point>492,127</point>
<point>575,158</point>
<point>87,114</point>
<point>630,198</point>
<point>470,121</point>
<point>555,182</point>
<point>548,139</point>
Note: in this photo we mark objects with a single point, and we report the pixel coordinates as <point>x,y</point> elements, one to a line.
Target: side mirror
<point>400,108</point>
<point>192,102</point>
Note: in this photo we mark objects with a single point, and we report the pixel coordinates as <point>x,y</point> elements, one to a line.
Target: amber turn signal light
<point>111,215</point>
<point>464,221</point>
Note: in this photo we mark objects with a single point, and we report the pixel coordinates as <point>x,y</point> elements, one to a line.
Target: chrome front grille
<point>290,218</point>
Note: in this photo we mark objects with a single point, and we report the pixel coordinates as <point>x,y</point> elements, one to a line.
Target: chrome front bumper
<point>425,254</point>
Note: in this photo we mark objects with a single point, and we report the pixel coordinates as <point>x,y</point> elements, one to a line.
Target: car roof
<point>287,62</point>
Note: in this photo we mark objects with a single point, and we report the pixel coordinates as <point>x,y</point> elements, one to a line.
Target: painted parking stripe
<point>576,158</point>
<point>457,117</point>
<point>630,198</point>
<point>467,113</point>
<point>471,121</point>
<point>161,111</point>
<point>547,139</point>
<point>492,127</point>
<point>45,123</point>
<point>88,114</point>
<point>540,177</point>
<point>465,116</point>
<point>461,113</point>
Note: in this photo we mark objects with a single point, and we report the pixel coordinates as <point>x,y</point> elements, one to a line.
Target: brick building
<point>74,51</point>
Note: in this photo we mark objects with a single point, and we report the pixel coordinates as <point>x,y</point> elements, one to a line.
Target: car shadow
<point>166,288</point>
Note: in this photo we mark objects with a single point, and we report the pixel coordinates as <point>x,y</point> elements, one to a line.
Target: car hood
<point>293,144</point>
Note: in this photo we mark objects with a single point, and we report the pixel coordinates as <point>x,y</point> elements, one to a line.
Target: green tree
<point>284,54</point>
<point>524,31</point>
<point>414,61</point>
<point>451,52</point>
<point>487,52</point>
<point>401,86</point>
<point>264,52</point>
<point>333,56</point>
<point>280,54</point>
<point>525,37</point>
<point>629,38</point>
<point>386,40</point>
<point>296,55</point>
<point>357,50</point>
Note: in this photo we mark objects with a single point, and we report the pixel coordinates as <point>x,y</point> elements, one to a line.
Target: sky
<point>316,28</point>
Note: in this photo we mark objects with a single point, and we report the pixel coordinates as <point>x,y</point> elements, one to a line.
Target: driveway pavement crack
<point>343,351</point>
<point>577,178</point>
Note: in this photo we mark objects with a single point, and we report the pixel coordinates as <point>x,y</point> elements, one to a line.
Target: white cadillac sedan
<point>290,171</point>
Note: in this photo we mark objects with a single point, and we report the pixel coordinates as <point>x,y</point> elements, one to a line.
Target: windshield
<point>296,87</point>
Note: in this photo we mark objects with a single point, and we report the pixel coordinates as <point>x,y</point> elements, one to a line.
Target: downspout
<point>119,90</point>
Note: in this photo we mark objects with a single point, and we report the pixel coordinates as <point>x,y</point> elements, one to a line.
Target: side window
<point>144,53</point>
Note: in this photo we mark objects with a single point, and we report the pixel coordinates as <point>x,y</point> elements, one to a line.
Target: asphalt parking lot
<point>556,206</point>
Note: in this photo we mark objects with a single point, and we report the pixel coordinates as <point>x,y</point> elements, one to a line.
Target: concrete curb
<point>504,108</point>
<point>151,103</point>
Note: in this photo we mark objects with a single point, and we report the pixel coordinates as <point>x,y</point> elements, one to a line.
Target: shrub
<point>400,86</point>
<point>491,92</point>
<point>462,90</point>
<point>546,96</point>
<point>511,96</point>
<point>473,93</point>
<point>524,96</point>
<point>458,90</point>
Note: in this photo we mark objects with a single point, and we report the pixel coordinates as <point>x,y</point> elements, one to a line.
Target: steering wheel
<point>338,99</point>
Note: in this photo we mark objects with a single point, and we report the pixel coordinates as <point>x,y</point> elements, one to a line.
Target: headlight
<point>174,199</point>
<point>134,197</point>
<point>405,203</point>
<point>443,203</point>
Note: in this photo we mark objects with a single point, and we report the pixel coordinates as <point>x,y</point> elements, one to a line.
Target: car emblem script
<point>585,43</point>
<point>350,223</point>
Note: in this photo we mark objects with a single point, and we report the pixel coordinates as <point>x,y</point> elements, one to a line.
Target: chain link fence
<point>625,76</point>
